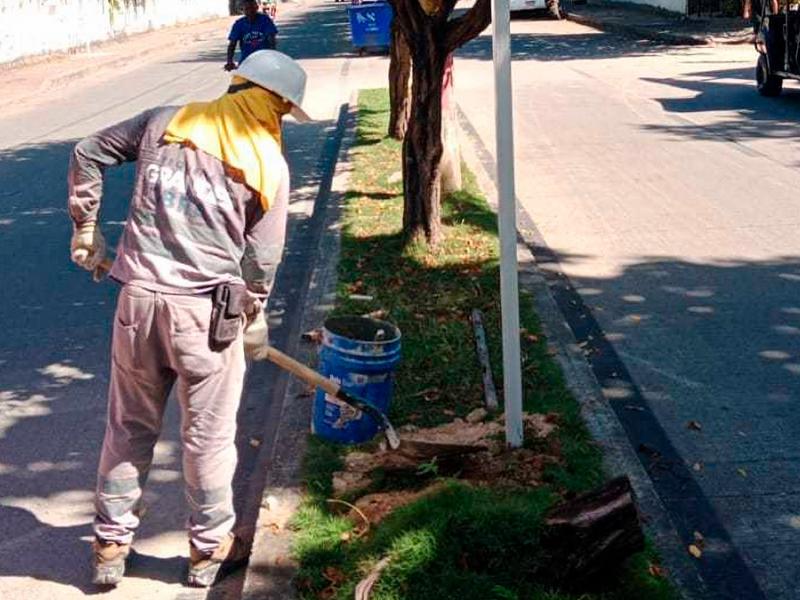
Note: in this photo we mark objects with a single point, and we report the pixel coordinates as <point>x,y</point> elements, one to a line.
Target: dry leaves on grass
<point>335,579</point>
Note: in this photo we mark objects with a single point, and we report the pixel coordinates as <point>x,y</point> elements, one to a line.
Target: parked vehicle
<point>552,6</point>
<point>778,45</point>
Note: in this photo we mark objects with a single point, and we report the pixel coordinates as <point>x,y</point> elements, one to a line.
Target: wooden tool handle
<point>303,372</point>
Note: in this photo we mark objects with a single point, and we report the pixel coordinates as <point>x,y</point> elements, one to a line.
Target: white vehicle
<point>525,5</point>
<point>518,5</point>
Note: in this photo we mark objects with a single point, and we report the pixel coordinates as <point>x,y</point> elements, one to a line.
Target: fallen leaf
<point>313,335</point>
<point>334,575</point>
<point>531,337</point>
<point>695,551</point>
<point>345,537</point>
<point>656,571</point>
<point>741,472</point>
<point>695,425</point>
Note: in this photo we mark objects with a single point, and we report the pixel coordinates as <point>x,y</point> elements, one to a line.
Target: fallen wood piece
<point>590,536</point>
<point>418,449</point>
<point>364,587</point>
<point>489,391</point>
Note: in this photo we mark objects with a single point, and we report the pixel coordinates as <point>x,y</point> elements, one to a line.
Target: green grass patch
<point>461,541</point>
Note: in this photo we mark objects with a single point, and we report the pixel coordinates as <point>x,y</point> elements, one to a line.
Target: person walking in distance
<point>252,32</point>
<point>196,260</point>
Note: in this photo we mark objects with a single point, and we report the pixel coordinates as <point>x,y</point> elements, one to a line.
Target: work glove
<point>256,332</point>
<point>88,246</point>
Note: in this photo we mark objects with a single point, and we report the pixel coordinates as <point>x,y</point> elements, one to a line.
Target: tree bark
<point>422,145</point>
<point>399,84</point>
<point>588,538</point>
<point>431,36</point>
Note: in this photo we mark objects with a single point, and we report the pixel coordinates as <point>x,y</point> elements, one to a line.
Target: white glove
<point>256,335</point>
<point>88,246</point>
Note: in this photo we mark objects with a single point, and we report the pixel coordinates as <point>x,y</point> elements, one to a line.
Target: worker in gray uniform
<point>196,261</point>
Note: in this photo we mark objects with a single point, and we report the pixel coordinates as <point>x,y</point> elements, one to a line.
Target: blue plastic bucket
<point>360,354</point>
<point>371,24</point>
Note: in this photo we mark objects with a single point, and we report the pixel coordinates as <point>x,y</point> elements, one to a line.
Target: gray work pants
<point>161,340</point>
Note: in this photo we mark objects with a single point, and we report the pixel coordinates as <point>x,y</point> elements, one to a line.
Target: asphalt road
<point>667,188</point>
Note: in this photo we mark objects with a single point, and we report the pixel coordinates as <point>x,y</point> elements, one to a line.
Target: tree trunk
<point>588,538</point>
<point>399,84</point>
<point>422,145</point>
<point>450,176</point>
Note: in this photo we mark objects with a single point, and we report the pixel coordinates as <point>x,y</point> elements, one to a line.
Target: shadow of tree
<point>730,90</point>
<point>555,46</point>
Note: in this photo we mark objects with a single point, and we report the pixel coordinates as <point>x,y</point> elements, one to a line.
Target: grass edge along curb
<point>459,541</point>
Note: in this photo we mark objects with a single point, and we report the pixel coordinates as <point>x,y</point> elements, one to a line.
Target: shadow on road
<point>553,46</point>
<point>731,90</point>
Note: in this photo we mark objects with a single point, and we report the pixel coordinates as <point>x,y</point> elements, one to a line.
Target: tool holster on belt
<point>226,315</point>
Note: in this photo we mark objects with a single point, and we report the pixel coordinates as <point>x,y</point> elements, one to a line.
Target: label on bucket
<point>361,379</point>
<point>346,412</point>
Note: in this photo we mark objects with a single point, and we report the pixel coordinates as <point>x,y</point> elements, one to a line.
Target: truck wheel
<point>767,84</point>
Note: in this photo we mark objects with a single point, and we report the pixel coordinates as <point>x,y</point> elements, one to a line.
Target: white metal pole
<point>509,287</point>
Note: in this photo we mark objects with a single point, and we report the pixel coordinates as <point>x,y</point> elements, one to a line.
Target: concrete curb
<point>603,424</point>
<point>675,39</point>
<point>270,573</point>
<point>645,32</point>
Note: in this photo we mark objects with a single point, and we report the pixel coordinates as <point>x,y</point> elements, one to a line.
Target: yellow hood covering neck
<point>242,129</point>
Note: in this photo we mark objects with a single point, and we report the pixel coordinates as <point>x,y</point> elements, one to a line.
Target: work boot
<point>206,569</point>
<point>109,561</point>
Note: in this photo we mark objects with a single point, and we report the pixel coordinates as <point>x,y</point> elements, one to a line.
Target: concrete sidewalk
<point>659,25</point>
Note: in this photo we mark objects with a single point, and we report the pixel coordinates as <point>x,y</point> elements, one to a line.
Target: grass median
<point>459,540</point>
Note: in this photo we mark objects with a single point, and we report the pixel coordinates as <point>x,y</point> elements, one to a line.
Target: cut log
<point>588,538</point>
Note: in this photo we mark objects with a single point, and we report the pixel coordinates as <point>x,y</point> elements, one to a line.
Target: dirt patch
<point>375,507</point>
<point>472,452</point>
<point>487,434</point>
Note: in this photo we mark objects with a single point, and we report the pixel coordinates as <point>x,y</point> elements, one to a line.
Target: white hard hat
<point>277,73</point>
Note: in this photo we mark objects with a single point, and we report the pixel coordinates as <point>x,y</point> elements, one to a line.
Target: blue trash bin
<point>361,355</point>
<point>371,25</point>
